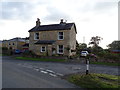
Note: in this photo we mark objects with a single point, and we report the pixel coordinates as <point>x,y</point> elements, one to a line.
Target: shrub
<point>4,48</point>
<point>108,55</point>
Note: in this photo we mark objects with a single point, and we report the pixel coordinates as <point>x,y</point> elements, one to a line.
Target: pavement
<point>36,74</point>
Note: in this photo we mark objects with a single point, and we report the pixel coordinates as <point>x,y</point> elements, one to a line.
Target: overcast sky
<point>92,17</point>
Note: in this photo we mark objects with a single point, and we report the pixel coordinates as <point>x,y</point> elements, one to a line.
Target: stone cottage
<point>14,43</point>
<point>54,39</point>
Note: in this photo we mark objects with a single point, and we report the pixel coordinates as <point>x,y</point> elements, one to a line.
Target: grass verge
<point>95,80</point>
<point>106,63</point>
<point>41,59</point>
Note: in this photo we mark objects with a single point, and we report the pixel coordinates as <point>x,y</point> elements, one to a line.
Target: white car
<point>84,53</point>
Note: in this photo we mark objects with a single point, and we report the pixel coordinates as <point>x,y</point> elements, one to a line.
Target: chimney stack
<point>61,21</point>
<point>38,22</point>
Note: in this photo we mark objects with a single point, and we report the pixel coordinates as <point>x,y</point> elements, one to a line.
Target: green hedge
<point>109,55</point>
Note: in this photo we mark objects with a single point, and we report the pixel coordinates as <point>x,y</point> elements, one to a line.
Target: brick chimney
<point>38,22</point>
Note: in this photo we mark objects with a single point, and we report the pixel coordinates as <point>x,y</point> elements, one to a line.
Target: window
<point>43,49</point>
<point>13,44</point>
<point>60,36</point>
<point>36,36</point>
<point>9,44</point>
<point>60,49</point>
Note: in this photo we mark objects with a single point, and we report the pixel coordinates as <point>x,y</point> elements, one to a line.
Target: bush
<point>111,56</point>
<point>4,48</point>
<point>108,55</point>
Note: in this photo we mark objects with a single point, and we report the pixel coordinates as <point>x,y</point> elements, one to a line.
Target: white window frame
<point>58,50</point>
<point>36,36</point>
<point>42,49</point>
<point>60,35</point>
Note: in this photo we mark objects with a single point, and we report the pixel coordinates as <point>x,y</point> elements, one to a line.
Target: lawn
<point>41,59</point>
<point>94,80</point>
<point>106,63</point>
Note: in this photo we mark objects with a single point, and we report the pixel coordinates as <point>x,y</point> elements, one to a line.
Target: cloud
<point>16,10</point>
<point>56,14</point>
<point>98,6</point>
<point>104,5</point>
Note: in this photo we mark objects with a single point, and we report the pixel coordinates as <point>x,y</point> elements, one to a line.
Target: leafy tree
<point>77,45</point>
<point>95,41</point>
<point>82,45</point>
<point>97,49</point>
<point>115,45</point>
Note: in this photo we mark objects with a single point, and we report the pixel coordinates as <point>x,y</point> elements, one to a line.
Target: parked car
<point>84,53</point>
<point>17,51</point>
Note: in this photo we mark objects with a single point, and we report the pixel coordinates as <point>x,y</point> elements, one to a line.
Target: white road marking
<point>44,72</point>
<point>59,74</point>
<point>50,71</point>
<point>53,75</point>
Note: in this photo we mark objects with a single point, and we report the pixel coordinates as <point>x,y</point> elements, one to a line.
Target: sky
<point>91,17</point>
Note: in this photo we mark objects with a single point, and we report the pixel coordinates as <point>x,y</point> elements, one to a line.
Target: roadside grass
<point>41,59</point>
<point>94,80</point>
<point>105,63</point>
<point>4,54</point>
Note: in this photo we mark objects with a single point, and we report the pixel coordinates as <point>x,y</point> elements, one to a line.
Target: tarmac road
<point>36,74</point>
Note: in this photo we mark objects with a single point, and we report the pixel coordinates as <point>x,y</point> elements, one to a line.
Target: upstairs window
<point>36,36</point>
<point>60,35</point>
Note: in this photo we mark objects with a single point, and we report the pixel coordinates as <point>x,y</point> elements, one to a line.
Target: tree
<point>82,45</point>
<point>77,47</point>
<point>95,41</point>
<point>115,45</point>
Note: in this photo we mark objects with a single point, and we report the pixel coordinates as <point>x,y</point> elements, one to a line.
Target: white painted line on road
<point>53,75</point>
<point>43,71</point>
<point>59,74</point>
<point>50,71</point>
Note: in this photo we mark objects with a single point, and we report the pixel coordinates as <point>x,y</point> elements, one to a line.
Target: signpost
<point>87,66</point>
<point>85,54</point>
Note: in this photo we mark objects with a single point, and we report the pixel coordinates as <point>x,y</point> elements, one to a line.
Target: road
<point>36,74</point>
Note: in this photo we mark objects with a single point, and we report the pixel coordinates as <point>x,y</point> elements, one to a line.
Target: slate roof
<point>45,42</point>
<point>17,39</point>
<point>63,26</point>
